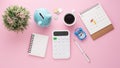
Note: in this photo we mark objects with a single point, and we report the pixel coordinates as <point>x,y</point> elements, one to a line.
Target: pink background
<point>103,52</point>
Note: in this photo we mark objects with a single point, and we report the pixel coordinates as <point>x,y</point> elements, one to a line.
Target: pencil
<point>81,50</point>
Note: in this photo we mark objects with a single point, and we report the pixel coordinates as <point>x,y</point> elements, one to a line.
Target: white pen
<point>81,50</point>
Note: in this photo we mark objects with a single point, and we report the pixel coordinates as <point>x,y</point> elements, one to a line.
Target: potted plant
<point>16,18</point>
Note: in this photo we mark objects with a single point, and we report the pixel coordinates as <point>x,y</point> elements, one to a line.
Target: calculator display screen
<point>60,33</point>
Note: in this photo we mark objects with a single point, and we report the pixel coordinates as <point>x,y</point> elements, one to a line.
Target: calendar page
<point>95,20</point>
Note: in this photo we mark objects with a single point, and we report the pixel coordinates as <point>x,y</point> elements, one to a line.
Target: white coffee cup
<point>69,19</point>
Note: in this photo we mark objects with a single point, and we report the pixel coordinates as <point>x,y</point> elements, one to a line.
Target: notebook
<point>38,45</point>
<point>96,21</point>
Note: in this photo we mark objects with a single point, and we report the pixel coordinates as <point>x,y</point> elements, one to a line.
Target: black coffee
<point>69,18</point>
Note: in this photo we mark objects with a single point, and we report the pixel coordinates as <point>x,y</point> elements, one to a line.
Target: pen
<point>81,50</point>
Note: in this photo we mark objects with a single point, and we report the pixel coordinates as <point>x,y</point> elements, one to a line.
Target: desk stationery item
<point>81,35</point>
<point>42,17</point>
<point>81,50</point>
<point>38,45</point>
<point>96,21</point>
<point>58,11</point>
<point>61,44</point>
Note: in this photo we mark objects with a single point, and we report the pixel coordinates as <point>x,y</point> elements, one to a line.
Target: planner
<point>96,21</point>
<point>38,45</point>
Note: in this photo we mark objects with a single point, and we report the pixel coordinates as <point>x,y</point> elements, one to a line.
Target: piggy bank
<point>42,17</point>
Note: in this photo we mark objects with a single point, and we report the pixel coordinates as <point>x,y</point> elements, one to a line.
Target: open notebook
<point>96,21</point>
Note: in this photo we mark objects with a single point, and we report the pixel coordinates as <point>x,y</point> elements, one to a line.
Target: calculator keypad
<point>61,47</point>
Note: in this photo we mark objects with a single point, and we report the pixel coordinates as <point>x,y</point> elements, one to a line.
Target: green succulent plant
<point>16,18</point>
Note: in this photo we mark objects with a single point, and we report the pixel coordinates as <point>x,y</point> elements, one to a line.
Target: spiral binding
<point>31,42</point>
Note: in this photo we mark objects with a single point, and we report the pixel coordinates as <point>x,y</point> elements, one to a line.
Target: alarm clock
<point>42,17</point>
<point>81,35</point>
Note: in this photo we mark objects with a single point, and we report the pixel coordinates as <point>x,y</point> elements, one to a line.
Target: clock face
<point>82,35</point>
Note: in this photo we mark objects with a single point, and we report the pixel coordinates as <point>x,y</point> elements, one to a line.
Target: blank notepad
<point>96,21</point>
<point>38,45</point>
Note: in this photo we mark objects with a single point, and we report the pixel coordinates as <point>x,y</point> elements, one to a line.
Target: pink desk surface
<point>103,52</point>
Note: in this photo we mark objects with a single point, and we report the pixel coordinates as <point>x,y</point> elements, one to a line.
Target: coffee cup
<point>69,19</point>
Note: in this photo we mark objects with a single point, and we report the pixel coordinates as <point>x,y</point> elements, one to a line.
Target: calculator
<point>61,44</point>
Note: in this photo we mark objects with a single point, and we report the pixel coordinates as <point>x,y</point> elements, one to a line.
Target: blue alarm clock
<point>42,17</point>
<point>81,35</point>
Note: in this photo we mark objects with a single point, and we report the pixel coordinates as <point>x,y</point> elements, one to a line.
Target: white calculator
<point>61,44</point>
